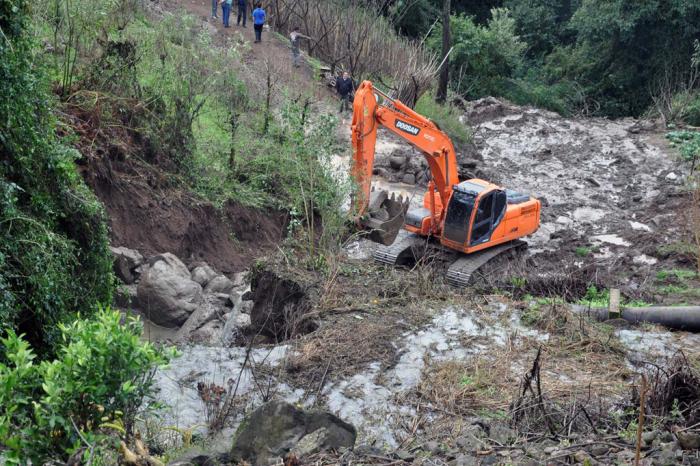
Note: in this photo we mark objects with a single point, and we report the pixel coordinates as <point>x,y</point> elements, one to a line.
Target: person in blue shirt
<point>242,7</point>
<point>258,22</point>
<point>226,7</point>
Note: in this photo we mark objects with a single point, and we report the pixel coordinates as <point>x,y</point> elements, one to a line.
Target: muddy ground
<point>429,374</point>
<point>614,201</point>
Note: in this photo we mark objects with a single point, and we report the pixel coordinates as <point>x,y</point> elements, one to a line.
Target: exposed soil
<point>149,214</point>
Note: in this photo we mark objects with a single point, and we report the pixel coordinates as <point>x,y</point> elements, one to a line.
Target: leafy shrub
<point>102,372</point>
<point>54,259</point>
<point>562,97</point>
<point>481,54</point>
<point>688,143</point>
<point>446,117</point>
<point>691,114</point>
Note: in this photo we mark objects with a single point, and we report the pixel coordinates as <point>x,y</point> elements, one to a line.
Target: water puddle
<point>372,400</point>
<point>610,239</point>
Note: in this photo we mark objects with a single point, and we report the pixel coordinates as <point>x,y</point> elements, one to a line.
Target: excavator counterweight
<point>474,217</point>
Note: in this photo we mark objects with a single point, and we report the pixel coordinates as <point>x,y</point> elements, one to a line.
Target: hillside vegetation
<point>603,57</point>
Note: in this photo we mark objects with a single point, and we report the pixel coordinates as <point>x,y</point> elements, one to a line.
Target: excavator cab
<point>474,217</point>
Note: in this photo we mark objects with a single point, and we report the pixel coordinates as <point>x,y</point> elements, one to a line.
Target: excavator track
<point>405,243</point>
<point>460,272</point>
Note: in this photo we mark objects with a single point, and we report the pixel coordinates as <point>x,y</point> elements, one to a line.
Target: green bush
<point>102,374</point>
<point>54,257</point>
<point>481,54</point>
<point>446,117</point>
<point>688,143</point>
<point>691,113</point>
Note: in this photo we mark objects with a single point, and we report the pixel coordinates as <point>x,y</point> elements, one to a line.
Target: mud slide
<point>612,193</point>
<point>151,215</point>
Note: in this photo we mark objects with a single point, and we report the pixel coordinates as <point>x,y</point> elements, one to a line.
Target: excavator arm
<point>417,130</point>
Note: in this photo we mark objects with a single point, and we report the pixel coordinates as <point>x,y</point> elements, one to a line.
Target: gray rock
<point>196,457</point>
<point>468,443</point>
<point>222,300</point>
<point>502,434</point>
<point>236,296</point>
<point>310,443</point>
<point>689,440</point>
<point>397,162</point>
<point>166,295</point>
<point>599,450</point>
<point>667,456</point>
<point>240,279</point>
<point>235,323</point>
<point>432,446</point>
<point>207,334</point>
<point>404,455</point>
<point>463,460</point>
<point>219,284</point>
<point>245,307</point>
<point>409,178</point>
<point>203,274</point>
<point>204,314</point>
<point>550,450</point>
<point>649,437</point>
<point>125,263</point>
<point>276,428</point>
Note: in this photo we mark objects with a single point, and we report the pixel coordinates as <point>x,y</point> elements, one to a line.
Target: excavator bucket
<point>385,216</point>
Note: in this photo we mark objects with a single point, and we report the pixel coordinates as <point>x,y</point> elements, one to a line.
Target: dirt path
<point>273,52</point>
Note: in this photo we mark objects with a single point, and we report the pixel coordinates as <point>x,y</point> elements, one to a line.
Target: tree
<point>482,56</point>
<point>441,95</point>
<point>623,45</point>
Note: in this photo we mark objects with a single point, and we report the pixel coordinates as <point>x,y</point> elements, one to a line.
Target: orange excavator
<point>474,217</point>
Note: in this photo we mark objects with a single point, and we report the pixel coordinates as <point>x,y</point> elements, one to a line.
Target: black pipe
<point>675,317</point>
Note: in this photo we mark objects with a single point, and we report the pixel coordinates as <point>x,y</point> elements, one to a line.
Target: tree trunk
<point>441,95</point>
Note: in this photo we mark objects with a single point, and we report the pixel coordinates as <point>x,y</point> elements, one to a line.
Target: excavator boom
<point>474,216</point>
<point>380,214</point>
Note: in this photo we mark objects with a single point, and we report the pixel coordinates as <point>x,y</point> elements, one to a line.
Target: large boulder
<point>166,293</point>
<point>126,261</point>
<point>219,284</point>
<point>277,428</point>
<point>203,274</point>
<point>236,323</point>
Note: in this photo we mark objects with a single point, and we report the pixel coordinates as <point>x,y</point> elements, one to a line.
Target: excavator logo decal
<point>408,128</point>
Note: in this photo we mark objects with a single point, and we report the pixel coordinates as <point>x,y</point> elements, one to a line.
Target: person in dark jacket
<point>242,10</point>
<point>345,88</point>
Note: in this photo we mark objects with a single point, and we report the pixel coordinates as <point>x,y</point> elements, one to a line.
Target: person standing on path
<point>345,88</point>
<point>258,22</point>
<point>214,8</point>
<point>226,7</point>
<point>295,37</point>
<point>242,10</point>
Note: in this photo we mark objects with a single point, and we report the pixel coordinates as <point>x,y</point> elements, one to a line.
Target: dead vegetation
<point>354,36</point>
<point>572,382</point>
<point>674,393</point>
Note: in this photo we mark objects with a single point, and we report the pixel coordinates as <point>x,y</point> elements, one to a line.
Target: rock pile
<point>199,304</point>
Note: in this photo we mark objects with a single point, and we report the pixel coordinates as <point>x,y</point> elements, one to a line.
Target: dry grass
<point>581,373</point>
<point>355,36</point>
